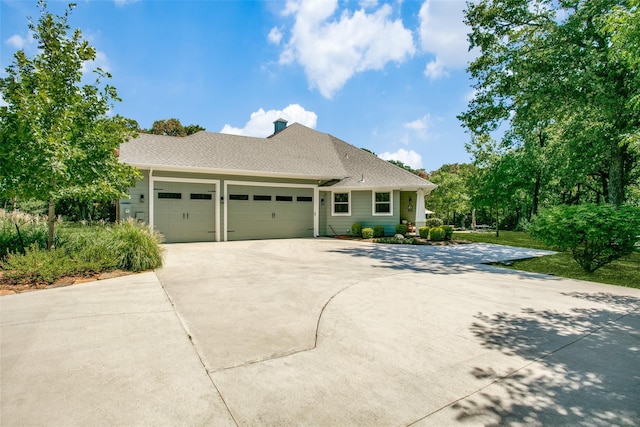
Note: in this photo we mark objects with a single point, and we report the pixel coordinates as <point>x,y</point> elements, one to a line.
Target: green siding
<point>361,207</point>
<point>136,209</point>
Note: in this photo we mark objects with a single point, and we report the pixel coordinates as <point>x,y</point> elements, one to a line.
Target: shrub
<point>401,229</point>
<point>436,234</point>
<point>378,231</point>
<point>424,232</point>
<point>39,265</point>
<point>91,246</point>
<point>367,233</point>
<point>523,225</point>
<point>448,232</point>
<point>433,222</point>
<point>356,229</point>
<point>33,230</point>
<point>595,234</point>
<point>135,246</point>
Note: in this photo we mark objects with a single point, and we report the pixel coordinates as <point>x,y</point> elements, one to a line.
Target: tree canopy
<point>172,127</point>
<point>558,84</point>
<point>57,137</point>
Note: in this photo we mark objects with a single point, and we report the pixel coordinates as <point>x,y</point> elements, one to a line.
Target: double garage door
<point>185,212</point>
<point>260,212</point>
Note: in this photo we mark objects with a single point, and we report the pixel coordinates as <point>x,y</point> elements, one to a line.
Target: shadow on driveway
<point>592,383</point>
<point>448,259</point>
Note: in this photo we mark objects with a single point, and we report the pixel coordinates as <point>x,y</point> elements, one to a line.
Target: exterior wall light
<point>410,206</point>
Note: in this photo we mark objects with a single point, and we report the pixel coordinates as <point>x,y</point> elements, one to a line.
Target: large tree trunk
<point>51,221</point>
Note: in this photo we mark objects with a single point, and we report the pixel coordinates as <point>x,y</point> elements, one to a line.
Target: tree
<point>173,127</point>
<point>57,139</point>
<point>551,74</point>
<point>451,199</point>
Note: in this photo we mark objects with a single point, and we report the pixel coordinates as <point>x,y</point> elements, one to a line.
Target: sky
<point>386,76</point>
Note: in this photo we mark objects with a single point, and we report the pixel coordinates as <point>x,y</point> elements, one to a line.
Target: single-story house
<point>297,182</point>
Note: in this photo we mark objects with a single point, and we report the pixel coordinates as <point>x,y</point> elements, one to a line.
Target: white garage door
<point>185,212</point>
<point>256,212</point>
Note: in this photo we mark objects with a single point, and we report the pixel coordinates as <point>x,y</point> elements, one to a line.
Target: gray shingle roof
<point>296,151</point>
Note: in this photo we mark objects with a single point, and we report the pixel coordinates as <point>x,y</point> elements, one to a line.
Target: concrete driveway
<point>323,332</point>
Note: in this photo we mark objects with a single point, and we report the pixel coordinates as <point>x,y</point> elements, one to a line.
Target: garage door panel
<point>259,212</point>
<point>187,218</point>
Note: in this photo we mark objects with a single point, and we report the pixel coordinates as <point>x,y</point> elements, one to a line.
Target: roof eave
<point>188,169</point>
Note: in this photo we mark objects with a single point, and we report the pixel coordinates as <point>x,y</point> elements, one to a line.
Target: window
<point>261,198</point>
<point>238,197</point>
<point>169,195</point>
<point>341,204</point>
<point>200,196</point>
<point>304,199</point>
<point>382,203</point>
<point>284,198</point>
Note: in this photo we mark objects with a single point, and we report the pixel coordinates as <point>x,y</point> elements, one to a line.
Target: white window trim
<point>333,202</point>
<point>373,203</point>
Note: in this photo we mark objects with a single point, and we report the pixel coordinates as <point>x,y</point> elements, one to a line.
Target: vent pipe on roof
<point>279,125</point>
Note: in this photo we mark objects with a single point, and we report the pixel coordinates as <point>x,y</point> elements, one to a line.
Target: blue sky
<point>386,76</point>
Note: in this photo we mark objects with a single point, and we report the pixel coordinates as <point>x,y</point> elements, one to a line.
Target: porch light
<point>142,198</point>
<point>410,206</point>
<point>322,201</point>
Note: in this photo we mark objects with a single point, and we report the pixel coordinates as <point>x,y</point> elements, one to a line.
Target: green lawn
<point>509,238</point>
<point>622,272</point>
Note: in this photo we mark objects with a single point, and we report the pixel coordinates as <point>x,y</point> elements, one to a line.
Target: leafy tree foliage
<point>57,140</point>
<point>173,127</point>
<point>595,234</point>
<point>559,83</point>
<point>452,198</point>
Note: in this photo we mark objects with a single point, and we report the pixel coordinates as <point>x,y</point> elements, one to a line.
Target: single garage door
<point>256,212</point>
<point>185,212</point>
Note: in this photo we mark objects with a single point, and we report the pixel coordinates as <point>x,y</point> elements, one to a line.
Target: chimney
<point>279,125</point>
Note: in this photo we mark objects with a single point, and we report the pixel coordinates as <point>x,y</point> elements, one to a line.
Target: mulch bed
<point>11,286</point>
<point>422,241</point>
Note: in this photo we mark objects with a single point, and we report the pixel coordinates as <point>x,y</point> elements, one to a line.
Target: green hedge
<point>436,234</point>
<point>378,231</point>
<point>401,229</point>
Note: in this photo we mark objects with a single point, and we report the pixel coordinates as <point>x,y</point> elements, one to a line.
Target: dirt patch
<point>10,286</point>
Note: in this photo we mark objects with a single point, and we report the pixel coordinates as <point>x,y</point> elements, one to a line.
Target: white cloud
<point>100,61</point>
<point>275,36</point>
<point>261,122</point>
<point>368,4</point>
<point>18,42</point>
<point>121,3</point>
<point>435,69</point>
<point>471,95</point>
<point>410,157</point>
<point>3,103</point>
<point>444,34</point>
<point>420,126</point>
<point>331,51</point>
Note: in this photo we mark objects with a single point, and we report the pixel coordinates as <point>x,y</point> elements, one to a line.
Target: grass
<point>82,251</point>
<point>622,272</point>
<point>509,238</point>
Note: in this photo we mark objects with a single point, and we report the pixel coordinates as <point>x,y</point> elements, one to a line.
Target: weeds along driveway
<point>332,332</point>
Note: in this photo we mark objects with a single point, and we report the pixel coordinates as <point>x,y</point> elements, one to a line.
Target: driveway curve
<point>323,332</point>
<point>328,332</point>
